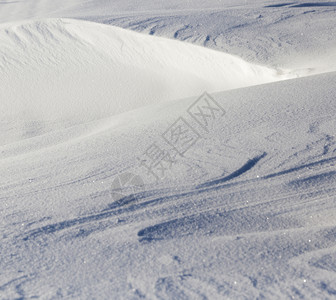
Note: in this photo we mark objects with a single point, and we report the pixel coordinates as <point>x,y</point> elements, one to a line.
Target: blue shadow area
<point>280,4</point>
<point>315,4</point>
<point>308,4</point>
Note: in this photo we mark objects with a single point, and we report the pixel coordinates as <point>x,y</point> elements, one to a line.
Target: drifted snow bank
<point>79,71</point>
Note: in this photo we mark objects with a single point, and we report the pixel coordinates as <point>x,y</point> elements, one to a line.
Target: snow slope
<point>296,35</point>
<point>247,212</point>
<point>76,71</point>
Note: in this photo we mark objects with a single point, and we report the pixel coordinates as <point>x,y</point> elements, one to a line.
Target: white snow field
<point>240,202</point>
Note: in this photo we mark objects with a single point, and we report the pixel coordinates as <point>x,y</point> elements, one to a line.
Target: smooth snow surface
<point>82,71</point>
<point>247,212</point>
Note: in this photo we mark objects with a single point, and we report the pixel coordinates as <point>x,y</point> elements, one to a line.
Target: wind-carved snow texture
<point>261,223</point>
<point>248,212</point>
<point>260,33</point>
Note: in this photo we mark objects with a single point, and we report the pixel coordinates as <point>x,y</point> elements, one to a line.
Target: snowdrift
<point>252,201</point>
<point>247,212</point>
<point>80,71</point>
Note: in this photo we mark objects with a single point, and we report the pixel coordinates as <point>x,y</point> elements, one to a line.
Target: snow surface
<point>83,71</point>
<point>248,212</point>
